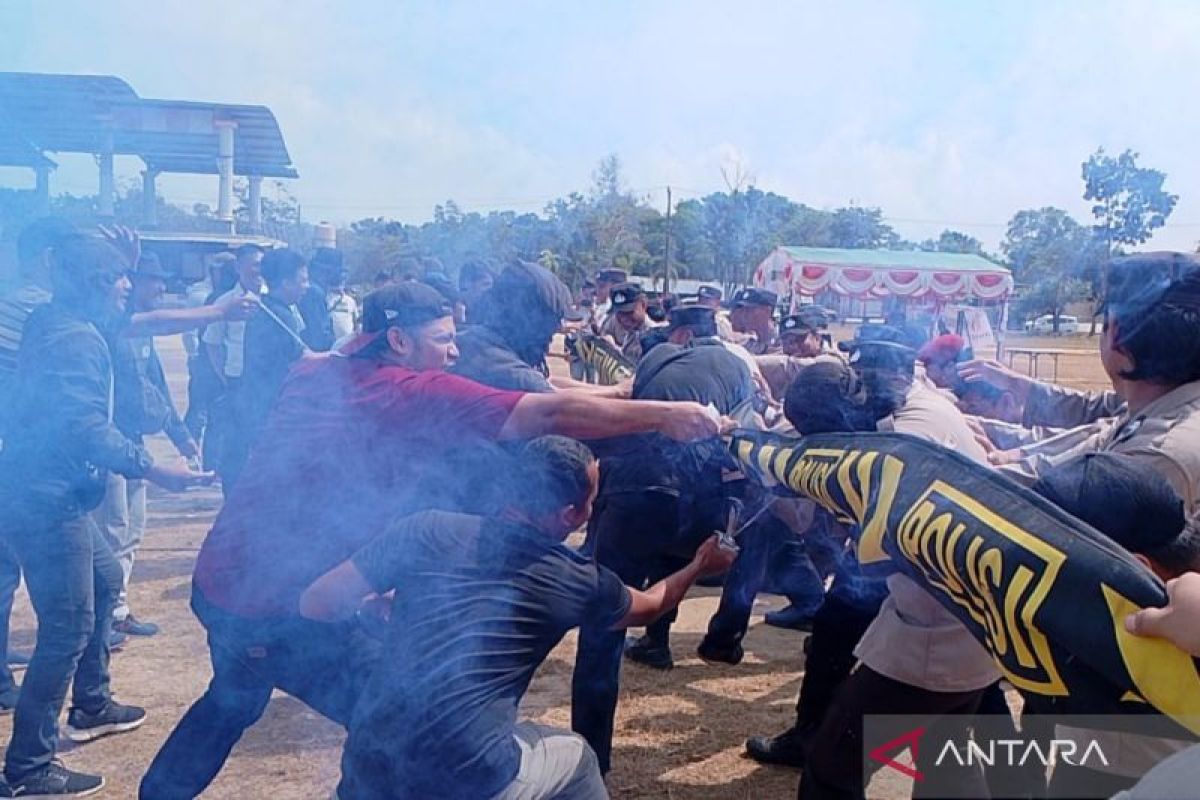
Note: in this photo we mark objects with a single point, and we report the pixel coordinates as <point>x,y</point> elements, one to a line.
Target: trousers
<point>121,518</point>
<point>324,666</point>
<point>642,536</point>
<point>73,582</point>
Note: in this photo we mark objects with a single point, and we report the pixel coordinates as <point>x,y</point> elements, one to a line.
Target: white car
<point>1045,324</point>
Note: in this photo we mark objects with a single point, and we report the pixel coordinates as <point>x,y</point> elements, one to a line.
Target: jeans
<point>121,518</point>
<point>642,537</point>
<point>203,388</point>
<point>10,579</point>
<point>324,666</point>
<point>769,548</point>
<point>73,581</point>
<point>555,765</point>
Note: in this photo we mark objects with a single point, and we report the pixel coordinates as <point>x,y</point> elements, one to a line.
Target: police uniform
<point>1060,407</point>
<point>658,501</point>
<point>624,297</point>
<point>759,297</point>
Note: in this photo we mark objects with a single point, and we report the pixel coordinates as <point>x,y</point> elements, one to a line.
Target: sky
<point>945,114</point>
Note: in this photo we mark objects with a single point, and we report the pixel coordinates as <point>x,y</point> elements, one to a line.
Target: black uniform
<point>659,499</point>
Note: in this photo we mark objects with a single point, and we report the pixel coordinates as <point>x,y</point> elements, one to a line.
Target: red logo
<point>911,740</point>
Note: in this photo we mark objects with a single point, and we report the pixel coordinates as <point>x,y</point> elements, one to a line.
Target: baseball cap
<point>524,286</point>
<point>41,234</point>
<point>691,314</point>
<point>1134,506</point>
<point>809,318</point>
<point>882,336</point>
<point>612,276</point>
<point>403,305</point>
<point>625,295</point>
<point>755,297</point>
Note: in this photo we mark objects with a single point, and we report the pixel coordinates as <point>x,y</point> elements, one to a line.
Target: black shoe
<point>714,652</point>
<point>56,781</point>
<point>132,626</point>
<point>645,650</point>
<point>113,718</point>
<point>786,749</point>
<point>796,619</point>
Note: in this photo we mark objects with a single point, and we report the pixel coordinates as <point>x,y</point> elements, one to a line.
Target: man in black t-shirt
<point>479,604</point>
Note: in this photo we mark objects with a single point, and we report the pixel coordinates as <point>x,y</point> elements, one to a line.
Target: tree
<point>954,242</point>
<point>855,226</point>
<point>1129,204</point>
<point>1049,253</point>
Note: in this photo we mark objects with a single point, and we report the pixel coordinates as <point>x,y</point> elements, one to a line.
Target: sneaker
<point>132,626</point>
<point>113,718</point>
<point>786,749</point>
<point>56,781</point>
<point>792,617</point>
<point>645,650</point>
<point>716,653</point>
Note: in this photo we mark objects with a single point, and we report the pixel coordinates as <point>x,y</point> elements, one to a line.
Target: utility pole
<point>667,253</point>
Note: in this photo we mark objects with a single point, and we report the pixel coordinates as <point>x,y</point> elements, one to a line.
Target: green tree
<point>1050,253</point>
<point>954,242</point>
<point>856,226</point>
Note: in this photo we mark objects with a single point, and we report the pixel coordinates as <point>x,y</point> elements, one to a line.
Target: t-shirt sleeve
<point>383,559</point>
<point>455,404</point>
<point>611,602</point>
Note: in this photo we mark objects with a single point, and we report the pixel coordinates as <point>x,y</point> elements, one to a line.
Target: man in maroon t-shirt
<point>349,435</point>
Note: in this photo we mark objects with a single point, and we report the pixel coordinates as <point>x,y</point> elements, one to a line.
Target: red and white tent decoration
<point>870,274</point>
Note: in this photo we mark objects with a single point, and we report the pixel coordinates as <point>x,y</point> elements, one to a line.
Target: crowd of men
<point>399,485</point>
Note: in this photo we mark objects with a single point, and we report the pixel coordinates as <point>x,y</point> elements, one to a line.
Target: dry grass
<point>679,734</point>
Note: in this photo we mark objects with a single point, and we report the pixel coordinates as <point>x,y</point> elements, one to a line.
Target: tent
<point>875,274</point>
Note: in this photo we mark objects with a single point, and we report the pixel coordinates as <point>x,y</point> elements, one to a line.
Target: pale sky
<point>951,113</point>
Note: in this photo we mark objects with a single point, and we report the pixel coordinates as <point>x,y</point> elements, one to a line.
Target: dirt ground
<point>679,734</point>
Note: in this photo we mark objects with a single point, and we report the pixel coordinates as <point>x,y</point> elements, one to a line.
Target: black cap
<point>149,266</point>
<point>403,305</point>
<point>808,318</point>
<point>442,282</point>
<point>41,234</point>
<point>709,293</point>
<point>612,275</point>
<point>691,314</point>
<point>1115,494</point>
<point>624,295</point>
<point>882,336</point>
<point>755,297</point>
<point>525,285</point>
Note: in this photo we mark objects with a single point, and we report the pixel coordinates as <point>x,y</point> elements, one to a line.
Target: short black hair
<point>281,265</point>
<point>1155,300</point>
<point>248,249</point>
<point>554,474</point>
<point>1135,507</point>
<point>826,397</point>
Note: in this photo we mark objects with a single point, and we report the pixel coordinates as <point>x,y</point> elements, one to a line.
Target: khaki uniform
<point>761,348</point>
<point>1165,435</point>
<point>1059,407</point>
<point>780,370</point>
<point>629,342</point>
<point>915,639</point>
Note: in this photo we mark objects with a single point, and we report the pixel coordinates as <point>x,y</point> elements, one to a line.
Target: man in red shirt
<point>344,451</point>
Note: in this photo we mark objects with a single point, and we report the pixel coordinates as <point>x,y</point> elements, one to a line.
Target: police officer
<point>754,314</point>
<point>629,319</point>
<point>800,334</point>
<point>657,502</point>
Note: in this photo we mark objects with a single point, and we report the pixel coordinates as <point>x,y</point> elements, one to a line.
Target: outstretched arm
<point>581,416</point>
<point>647,606</point>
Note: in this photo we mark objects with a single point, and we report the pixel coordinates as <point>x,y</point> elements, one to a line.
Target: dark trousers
<point>769,550</point>
<point>642,537</point>
<point>73,583</point>
<point>203,388</point>
<point>324,666</point>
<point>834,766</point>
<point>10,579</point>
<point>837,628</point>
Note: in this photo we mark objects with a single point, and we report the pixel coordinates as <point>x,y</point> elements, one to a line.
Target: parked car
<point>1045,324</point>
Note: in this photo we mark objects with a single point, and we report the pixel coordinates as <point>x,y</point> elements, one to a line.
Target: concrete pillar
<point>149,198</point>
<point>107,196</point>
<point>225,131</point>
<point>256,203</point>
<point>41,191</point>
